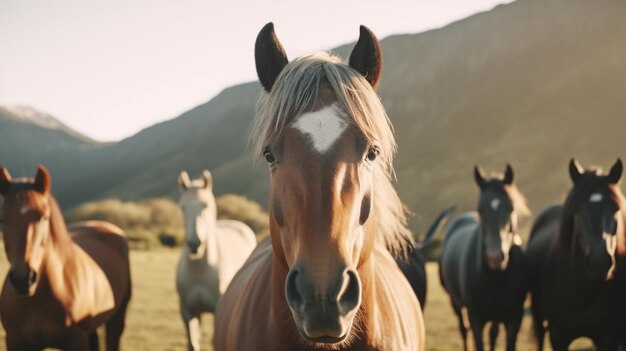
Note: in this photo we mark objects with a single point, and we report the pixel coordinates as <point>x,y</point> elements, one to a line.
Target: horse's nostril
<point>293,295</point>
<point>193,246</point>
<point>32,277</point>
<point>351,296</point>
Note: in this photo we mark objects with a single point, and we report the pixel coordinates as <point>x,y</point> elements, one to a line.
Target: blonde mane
<point>297,88</point>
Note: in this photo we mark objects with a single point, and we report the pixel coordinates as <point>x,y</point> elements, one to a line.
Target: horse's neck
<point>211,254</point>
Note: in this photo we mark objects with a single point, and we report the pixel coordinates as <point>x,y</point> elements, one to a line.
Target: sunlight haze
<point>109,69</point>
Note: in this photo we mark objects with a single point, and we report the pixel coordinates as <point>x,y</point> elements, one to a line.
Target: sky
<point>111,68</point>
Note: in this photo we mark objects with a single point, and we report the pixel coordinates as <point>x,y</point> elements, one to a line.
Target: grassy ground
<point>153,321</point>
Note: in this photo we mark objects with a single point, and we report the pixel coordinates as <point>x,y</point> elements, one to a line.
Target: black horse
<point>482,265</point>
<point>413,266</point>
<point>573,254</point>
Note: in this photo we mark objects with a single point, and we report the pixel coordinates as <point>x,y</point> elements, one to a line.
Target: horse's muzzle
<point>323,317</point>
<point>22,281</point>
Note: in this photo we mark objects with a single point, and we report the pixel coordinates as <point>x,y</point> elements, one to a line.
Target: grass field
<point>153,321</point>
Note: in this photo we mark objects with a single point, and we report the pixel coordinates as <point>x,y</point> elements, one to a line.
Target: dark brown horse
<point>61,285</point>
<point>482,265</point>
<point>573,252</point>
<point>325,279</point>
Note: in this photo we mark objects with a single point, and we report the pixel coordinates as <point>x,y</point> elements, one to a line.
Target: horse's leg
<point>94,344</point>
<point>512,329</point>
<point>115,327</point>
<point>462,327</point>
<point>194,331</point>
<point>477,329</point>
<point>538,322</point>
<point>493,335</point>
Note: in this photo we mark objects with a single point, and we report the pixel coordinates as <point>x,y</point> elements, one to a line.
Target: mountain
<point>211,136</point>
<point>533,83</point>
<point>28,137</point>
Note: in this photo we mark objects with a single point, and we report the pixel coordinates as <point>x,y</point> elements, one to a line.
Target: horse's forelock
<point>295,91</point>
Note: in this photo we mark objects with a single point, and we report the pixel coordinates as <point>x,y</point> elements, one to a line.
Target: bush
<point>240,208</point>
<point>159,222</point>
<point>144,222</point>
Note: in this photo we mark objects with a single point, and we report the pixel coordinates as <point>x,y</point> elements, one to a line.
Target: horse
<point>482,265</point>
<point>63,282</point>
<point>413,266</point>
<point>326,277</point>
<point>213,252</point>
<point>573,252</point>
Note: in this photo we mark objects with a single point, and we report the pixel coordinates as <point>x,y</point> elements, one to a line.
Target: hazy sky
<point>112,68</point>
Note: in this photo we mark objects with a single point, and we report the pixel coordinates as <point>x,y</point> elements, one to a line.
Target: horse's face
<point>320,201</point>
<point>26,215</point>
<point>199,211</point>
<point>321,198</point>
<point>597,221</point>
<point>498,220</point>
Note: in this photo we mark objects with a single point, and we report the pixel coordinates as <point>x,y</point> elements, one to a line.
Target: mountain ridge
<point>531,83</point>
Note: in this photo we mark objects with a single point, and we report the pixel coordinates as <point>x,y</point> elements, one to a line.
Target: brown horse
<point>324,279</point>
<point>61,285</point>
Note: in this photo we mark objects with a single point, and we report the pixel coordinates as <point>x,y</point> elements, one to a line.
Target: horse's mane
<point>296,89</point>
<point>580,192</point>
<point>22,191</point>
<point>519,201</point>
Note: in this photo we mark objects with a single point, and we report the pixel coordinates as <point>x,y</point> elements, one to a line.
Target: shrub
<point>144,222</point>
<point>159,221</point>
<point>240,208</point>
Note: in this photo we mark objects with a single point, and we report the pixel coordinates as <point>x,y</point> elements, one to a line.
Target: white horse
<point>213,252</point>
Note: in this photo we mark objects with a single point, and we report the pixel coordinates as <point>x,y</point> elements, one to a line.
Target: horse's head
<point>595,206</point>
<point>199,210</point>
<point>499,205</point>
<point>328,145</point>
<point>26,215</point>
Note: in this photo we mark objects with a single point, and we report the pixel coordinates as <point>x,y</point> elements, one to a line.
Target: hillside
<point>28,137</point>
<point>532,83</point>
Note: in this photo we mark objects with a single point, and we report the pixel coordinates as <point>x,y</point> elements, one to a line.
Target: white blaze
<point>324,127</point>
<point>495,203</point>
<point>597,197</point>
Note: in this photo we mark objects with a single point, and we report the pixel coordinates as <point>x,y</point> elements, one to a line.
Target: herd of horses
<point>340,269</point>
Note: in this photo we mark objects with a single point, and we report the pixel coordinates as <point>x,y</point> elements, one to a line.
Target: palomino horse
<point>482,265</point>
<point>62,284</point>
<point>325,279</point>
<point>573,251</point>
<point>213,252</point>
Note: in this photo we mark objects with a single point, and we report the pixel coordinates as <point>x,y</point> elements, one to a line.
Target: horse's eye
<point>269,157</point>
<point>372,153</point>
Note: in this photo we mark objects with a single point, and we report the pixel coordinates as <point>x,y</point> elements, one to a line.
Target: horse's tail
<point>432,231</point>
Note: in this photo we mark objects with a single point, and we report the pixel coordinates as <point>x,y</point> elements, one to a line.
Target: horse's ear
<point>508,175</point>
<point>269,56</point>
<point>615,174</point>
<point>5,181</point>
<point>42,180</point>
<point>366,57</point>
<point>575,170</point>
<point>208,179</point>
<point>183,180</point>
<point>479,176</point>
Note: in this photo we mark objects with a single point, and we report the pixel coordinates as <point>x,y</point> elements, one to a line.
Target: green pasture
<point>153,321</point>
